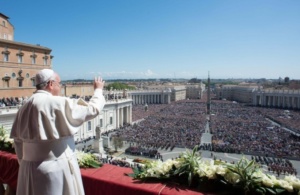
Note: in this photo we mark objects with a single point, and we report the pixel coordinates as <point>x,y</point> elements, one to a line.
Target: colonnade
<point>289,99</point>
<point>151,98</point>
<point>123,115</point>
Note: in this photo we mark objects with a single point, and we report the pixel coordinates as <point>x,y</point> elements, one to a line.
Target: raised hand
<point>98,83</point>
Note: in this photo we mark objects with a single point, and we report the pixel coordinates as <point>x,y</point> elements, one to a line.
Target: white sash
<point>44,150</point>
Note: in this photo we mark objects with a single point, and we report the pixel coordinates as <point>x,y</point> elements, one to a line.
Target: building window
<point>33,81</point>
<point>20,59</point>
<point>89,125</point>
<point>45,60</point>
<point>33,58</point>
<point>20,83</point>
<point>101,123</point>
<point>13,75</point>
<point>27,75</point>
<point>3,23</point>
<point>5,36</point>
<point>5,57</point>
<point>20,55</point>
<point>111,120</point>
<point>6,79</point>
<point>6,84</point>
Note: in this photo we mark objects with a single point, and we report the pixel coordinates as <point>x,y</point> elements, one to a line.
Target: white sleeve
<point>79,111</point>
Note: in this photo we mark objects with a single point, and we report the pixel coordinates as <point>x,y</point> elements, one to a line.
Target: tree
<point>195,80</point>
<point>117,142</point>
<point>118,86</point>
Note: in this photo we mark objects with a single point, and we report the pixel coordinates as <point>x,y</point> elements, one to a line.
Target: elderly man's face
<point>56,86</point>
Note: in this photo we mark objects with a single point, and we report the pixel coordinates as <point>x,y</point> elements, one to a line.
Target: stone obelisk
<point>206,136</point>
<point>208,97</point>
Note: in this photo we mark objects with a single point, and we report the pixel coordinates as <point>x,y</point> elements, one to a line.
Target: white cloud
<point>129,75</point>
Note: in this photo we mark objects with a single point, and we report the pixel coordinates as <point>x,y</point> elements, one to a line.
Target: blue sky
<point>163,38</point>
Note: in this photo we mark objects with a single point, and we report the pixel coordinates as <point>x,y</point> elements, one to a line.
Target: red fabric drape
<point>108,179</point>
<point>111,180</point>
<point>9,167</point>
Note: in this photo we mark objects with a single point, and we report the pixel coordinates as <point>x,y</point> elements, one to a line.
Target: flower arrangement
<point>87,160</point>
<point>244,177</point>
<point>6,143</point>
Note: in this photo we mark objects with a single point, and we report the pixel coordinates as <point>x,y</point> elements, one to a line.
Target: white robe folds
<point>43,132</point>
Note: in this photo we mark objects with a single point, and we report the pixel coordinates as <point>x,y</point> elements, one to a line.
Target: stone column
<point>253,99</point>
<point>130,114</point>
<point>279,101</point>
<point>117,118</point>
<point>125,112</point>
<point>140,99</point>
<point>121,117</point>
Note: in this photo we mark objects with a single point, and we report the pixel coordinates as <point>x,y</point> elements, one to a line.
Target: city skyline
<point>163,38</point>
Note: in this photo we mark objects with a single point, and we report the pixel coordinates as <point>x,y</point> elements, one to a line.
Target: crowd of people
<point>236,128</point>
<point>120,162</point>
<point>179,124</point>
<point>287,118</point>
<point>276,165</point>
<point>140,151</point>
<point>12,101</point>
<point>240,129</point>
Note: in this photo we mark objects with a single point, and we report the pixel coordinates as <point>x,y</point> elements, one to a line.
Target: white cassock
<point>43,132</point>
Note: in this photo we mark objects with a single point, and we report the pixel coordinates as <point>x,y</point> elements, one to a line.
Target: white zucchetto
<point>43,76</point>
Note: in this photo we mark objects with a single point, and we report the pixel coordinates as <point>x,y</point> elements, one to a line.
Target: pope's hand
<point>98,83</point>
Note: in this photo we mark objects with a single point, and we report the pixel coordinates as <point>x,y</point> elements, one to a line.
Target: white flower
<point>286,185</point>
<point>221,170</point>
<point>6,139</point>
<point>267,181</point>
<point>232,178</point>
<point>293,180</point>
<point>158,168</point>
<point>207,169</point>
<point>85,159</point>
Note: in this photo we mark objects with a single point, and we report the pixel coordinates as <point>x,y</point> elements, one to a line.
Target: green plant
<point>6,143</point>
<point>189,163</point>
<point>87,160</point>
<point>243,177</point>
<point>247,175</point>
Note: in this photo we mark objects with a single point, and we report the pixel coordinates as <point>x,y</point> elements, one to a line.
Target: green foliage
<point>245,170</point>
<point>244,177</point>
<point>118,86</point>
<point>190,163</point>
<point>195,80</point>
<point>6,143</point>
<point>87,160</point>
<point>117,142</point>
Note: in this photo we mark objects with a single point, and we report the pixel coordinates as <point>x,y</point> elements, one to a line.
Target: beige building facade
<point>256,96</point>
<point>194,91</point>
<point>19,62</point>
<point>241,93</point>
